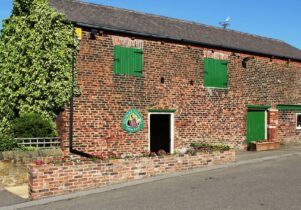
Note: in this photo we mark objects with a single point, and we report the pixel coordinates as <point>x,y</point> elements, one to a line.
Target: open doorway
<point>161,132</point>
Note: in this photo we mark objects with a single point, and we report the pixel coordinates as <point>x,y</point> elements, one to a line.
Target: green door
<point>255,125</point>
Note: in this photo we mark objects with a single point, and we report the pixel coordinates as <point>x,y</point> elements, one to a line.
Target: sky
<point>279,19</point>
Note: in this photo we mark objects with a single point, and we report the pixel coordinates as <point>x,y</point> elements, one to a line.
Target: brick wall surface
<point>202,114</point>
<point>287,127</point>
<point>51,180</point>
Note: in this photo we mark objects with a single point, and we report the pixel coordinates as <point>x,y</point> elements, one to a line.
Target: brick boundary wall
<point>52,180</point>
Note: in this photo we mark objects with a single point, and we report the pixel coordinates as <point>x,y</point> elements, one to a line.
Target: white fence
<point>46,142</point>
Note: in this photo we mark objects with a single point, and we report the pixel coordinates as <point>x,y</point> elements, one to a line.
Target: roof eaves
<point>176,19</point>
<point>183,40</point>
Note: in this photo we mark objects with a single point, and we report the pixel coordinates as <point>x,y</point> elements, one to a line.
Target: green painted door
<point>256,125</point>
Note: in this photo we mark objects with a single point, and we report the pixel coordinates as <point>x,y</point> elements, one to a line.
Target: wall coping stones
<point>21,155</point>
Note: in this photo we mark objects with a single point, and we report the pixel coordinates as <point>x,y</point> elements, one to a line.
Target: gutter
<point>182,40</point>
<point>71,118</point>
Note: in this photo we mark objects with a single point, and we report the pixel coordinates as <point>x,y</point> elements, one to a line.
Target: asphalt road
<point>274,184</point>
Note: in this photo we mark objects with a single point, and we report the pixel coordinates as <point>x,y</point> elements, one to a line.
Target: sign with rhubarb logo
<point>132,121</point>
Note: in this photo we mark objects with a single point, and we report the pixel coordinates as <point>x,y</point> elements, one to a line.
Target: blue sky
<point>279,19</point>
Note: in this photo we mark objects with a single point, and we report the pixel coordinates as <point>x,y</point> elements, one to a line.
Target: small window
<point>128,61</point>
<point>299,121</point>
<point>215,73</point>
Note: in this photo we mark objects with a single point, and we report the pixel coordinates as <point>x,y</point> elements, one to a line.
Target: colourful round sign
<point>132,121</point>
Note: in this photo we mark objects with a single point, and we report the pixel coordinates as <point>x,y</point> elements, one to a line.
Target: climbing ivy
<point>36,47</point>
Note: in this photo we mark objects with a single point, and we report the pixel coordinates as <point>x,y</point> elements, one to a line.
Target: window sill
<point>220,88</point>
<point>131,75</point>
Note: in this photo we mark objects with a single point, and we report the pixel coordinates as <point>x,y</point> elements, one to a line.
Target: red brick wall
<point>51,180</point>
<point>212,115</point>
<point>287,127</point>
<point>272,122</point>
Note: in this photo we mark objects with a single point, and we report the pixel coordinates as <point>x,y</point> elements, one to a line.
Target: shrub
<point>211,147</point>
<point>32,125</point>
<point>221,147</point>
<point>127,155</point>
<point>36,50</point>
<point>7,143</point>
<point>27,149</point>
<point>191,151</point>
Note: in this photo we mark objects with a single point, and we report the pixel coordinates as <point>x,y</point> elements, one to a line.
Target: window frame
<point>298,127</point>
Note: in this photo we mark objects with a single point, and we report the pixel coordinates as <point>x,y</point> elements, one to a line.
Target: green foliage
<point>27,149</point>
<point>94,159</point>
<point>7,143</point>
<point>36,47</point>
<point>32,125</point>
<point>191,152</point>
<point>22,7</point>
<point>56,162</point>
<point>4,124</point>
<point>212,147</point>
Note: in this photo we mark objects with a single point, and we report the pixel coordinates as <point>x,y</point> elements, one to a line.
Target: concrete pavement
<point>243,158</point>
<point>7,198</point>
<point>284,150</point>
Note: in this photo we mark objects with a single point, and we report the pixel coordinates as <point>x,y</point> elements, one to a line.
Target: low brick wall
<point>14,164</point>
<point>51,180</point>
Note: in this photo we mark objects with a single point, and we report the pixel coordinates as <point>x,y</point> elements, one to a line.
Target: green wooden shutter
<point>138,62</point>
<point>128,61</point>
<point>117,60</point>
<point>216,73</point>
<point>223,74</point>
<point>207,72</point>
<point>255,125</point>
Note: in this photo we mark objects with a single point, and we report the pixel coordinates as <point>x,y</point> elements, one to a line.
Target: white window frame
<point>297,127</point>
<point>172,129</point>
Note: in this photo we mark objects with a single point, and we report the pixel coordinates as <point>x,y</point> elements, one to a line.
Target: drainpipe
<point>74,151</point>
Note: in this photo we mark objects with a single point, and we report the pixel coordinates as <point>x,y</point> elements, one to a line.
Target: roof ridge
<point>179,20</point>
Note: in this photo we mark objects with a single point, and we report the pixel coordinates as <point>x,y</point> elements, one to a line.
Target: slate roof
<point>110,18</point>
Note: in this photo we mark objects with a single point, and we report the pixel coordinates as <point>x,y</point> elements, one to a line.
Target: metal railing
<point>45,142</point>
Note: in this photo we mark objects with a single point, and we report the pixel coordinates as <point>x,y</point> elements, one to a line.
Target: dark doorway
<point>160,132</point>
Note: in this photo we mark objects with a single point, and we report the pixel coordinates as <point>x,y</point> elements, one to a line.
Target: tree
<point>36,47</point>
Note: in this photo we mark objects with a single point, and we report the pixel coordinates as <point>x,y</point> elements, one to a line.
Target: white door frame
<point>172,129</point>
<point>266,124</point>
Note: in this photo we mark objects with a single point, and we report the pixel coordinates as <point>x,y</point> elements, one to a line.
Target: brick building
<point>149,82</point>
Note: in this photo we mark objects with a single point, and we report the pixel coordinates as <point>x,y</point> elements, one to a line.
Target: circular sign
<point>132,121</point>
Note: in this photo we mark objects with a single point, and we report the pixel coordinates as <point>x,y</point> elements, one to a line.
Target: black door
<point>160,132</point>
